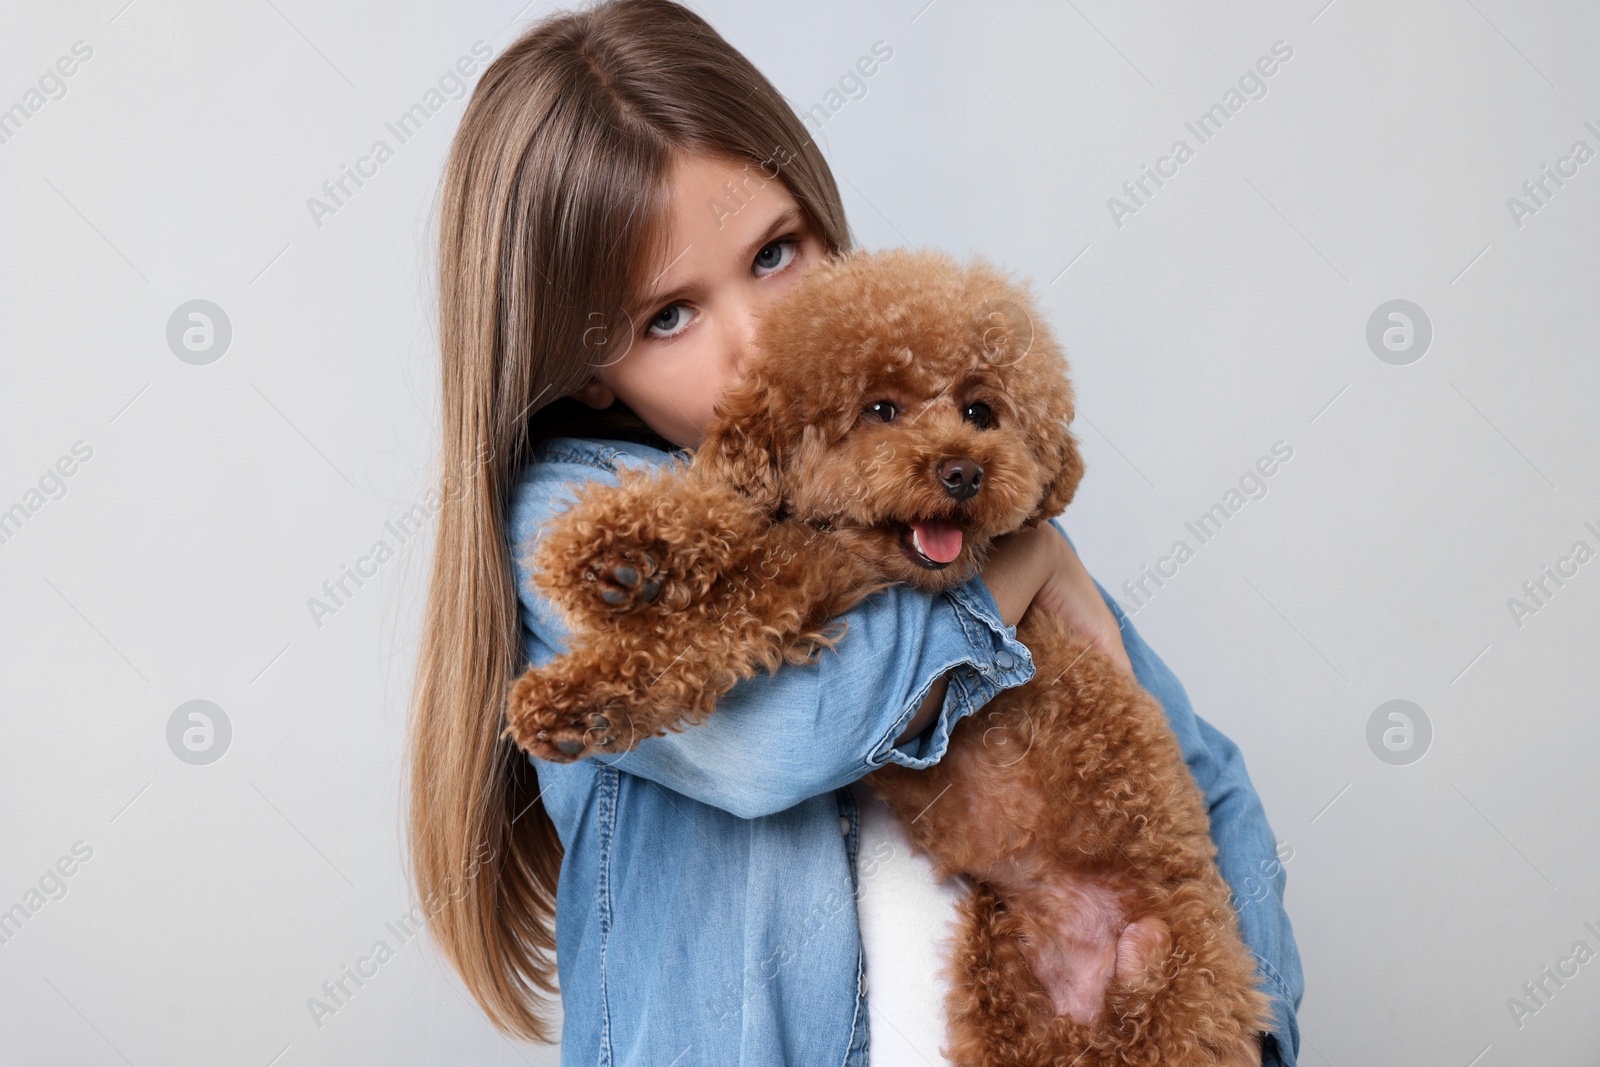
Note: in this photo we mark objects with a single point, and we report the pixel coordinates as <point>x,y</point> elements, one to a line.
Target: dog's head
<point>914,405</point>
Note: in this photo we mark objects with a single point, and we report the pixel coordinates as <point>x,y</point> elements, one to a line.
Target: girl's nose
<point>741,341</point>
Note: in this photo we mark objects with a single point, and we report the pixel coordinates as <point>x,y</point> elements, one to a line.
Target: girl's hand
<point>1070,594</point>
<point>1029,567</point>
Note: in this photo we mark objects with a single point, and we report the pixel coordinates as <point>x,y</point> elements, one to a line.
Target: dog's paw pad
<point>576,740</point>
<point>554,721</point>
<point>625,579</point>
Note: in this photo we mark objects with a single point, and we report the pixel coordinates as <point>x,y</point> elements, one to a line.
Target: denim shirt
<point>706,910</point>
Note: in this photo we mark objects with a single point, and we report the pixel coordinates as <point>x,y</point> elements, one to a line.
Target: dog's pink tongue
<point>940,539</point>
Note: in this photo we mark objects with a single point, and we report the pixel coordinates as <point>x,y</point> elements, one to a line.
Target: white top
<point>907,922</point>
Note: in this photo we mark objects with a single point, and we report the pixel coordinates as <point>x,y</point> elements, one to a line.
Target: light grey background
<point>1226,314</point>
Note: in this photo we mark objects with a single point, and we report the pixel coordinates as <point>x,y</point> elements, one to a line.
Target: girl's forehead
<point>719,213</point>
<point>722,202</point>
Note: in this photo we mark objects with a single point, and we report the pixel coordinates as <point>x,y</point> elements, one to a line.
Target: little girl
<point>624,195</point>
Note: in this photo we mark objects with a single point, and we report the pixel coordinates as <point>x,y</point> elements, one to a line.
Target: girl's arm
<point>778,739</point>
<point>1247,851</point>
<point>1036,565</point>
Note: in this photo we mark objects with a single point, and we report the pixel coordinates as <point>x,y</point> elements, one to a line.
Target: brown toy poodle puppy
<point>905,412</point>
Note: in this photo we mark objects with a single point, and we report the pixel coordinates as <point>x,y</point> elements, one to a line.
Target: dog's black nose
<point>961,477</point>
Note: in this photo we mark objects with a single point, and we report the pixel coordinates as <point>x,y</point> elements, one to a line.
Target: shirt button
<point>844,825</point>
<point>1004,659</point>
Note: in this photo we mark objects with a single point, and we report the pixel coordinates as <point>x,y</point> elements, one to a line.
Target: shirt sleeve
<point>778,739</point>
<point>1247,852</point>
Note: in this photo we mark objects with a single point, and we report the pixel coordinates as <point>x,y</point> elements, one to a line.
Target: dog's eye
<point>882,410</point>
<point>979,414</point>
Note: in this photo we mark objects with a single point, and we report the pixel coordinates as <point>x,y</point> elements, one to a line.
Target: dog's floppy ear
<point>1062,451</point>
<point>742,447</point>
<point>1049,384</point>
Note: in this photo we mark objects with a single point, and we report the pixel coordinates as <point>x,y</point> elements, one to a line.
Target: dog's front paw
<point>547,719</point>
<point>624,580</point>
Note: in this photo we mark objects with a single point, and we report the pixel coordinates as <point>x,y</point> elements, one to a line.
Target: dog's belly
<point>1072,922</point>
<point>1057,793</point>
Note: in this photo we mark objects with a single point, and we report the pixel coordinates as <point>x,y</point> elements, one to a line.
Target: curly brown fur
<point>729,592</point>
<point>1100,932</point>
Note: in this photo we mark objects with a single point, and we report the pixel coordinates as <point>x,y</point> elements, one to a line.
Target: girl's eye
<point>882,410</point>
<point>776,256</point>
<point>979,414</point>
<point>669,321</point>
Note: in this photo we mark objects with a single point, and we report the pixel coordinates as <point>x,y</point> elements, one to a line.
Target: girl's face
<point>735,240</point>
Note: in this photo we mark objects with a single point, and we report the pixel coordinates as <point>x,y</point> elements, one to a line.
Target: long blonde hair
<point>550,213</point>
